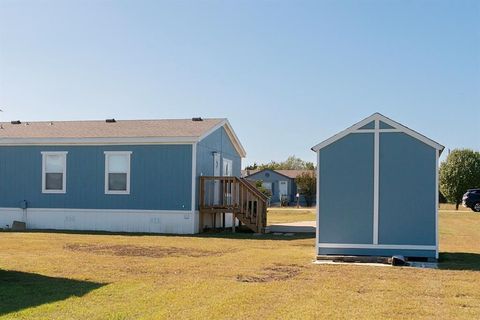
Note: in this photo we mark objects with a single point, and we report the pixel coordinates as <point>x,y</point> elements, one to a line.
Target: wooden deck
<point>232,195</point>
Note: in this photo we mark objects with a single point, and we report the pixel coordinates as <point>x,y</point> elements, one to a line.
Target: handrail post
<point>235,195</point>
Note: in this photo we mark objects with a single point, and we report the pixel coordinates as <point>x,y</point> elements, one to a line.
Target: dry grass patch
<point>451,207</point>
<point>277,272</point>
<point>242,276</point>
<point>140,251</point>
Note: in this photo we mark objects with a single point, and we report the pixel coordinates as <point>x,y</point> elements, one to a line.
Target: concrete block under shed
<point>19,226</point>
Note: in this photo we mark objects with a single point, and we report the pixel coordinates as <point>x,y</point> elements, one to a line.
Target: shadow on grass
<point>21,290</point>
<point>459,261</point>
<point>251,236</point>
<point>223,234</point>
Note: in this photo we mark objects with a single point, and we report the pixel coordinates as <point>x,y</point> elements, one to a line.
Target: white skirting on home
<point>155,221</point>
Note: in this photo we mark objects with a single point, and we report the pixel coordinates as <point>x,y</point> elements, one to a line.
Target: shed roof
<point>120,131</point>
<point>391,126</point>
<point>287,173</point>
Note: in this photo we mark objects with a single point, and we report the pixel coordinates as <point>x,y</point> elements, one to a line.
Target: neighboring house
<point>132,175</point>
<point>281,184</point>
<point>378,191</point>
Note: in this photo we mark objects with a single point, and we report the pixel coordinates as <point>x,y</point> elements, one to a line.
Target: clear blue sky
<point>287,74</point>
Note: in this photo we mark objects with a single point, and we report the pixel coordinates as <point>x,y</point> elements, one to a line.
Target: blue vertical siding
<point>274,178</point>
<point>384,125</point>
<point>370,125</point>
<point>217,141</point>
<point>407,191</point>
<point>160,178</point>
<point>346,190</point>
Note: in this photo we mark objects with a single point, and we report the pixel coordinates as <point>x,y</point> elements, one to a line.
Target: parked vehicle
<point>471,199</point>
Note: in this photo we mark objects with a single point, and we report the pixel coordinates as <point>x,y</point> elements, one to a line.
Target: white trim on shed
<point>397,127</point>
<point>357,128</point>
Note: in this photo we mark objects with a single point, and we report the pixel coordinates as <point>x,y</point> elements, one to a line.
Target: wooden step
<point>248,223</point>
<point>235,195</point>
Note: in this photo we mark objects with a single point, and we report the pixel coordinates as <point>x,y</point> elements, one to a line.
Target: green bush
<point>459,172</point>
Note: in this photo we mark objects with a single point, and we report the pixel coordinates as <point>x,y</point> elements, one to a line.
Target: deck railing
<point>234,195</point>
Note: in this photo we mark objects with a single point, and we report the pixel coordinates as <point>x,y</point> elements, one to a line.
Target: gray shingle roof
<point>102,129</point>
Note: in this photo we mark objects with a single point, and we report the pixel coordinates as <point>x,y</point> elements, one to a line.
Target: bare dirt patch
<point>140,251</point>
<point>278,272</point>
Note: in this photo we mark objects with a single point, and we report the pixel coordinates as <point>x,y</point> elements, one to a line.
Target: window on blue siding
<point>268,186</point>
<point>54,171</point>
<point>117,172</point>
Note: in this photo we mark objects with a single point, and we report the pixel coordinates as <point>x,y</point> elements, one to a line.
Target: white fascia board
<point>411,133</point>
<point>96,141</point>
<point>236,142</point>
<point>213,129</point>
<point>231,134</point>
<point>377,116</point>
<point>343,133</point>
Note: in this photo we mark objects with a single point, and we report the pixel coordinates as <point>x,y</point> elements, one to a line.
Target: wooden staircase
<point>232,195</point>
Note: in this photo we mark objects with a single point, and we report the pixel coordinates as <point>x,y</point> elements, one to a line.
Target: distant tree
<point>262,189</point>
<point>307,185</point>
<point>441,198</point>
<point>309,166</point>
<point>271,165</point>
<point>252,166</point>
<point>292,163</point>
<point>459,172</point>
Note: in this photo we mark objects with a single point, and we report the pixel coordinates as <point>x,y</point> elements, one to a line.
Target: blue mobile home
<point>281,183</point>
<point>377,191</point>
<point>131,176</point>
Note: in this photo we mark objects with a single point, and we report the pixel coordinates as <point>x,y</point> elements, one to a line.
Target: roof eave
<point>268,169</point>
<point>97,140</point>
<point>231,134</point>
<point>378,116</point>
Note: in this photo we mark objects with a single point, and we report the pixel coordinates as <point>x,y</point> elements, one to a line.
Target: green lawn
<point>242,276</point>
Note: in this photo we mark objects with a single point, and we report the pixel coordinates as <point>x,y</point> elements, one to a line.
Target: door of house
<point>227,172</point>
<point>227,168</point>
<point>216,183</point>
<point>282,189</point>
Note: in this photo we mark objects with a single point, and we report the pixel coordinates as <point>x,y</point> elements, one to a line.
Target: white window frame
<point>44,171</point>
<point>117,153</point>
